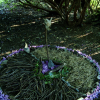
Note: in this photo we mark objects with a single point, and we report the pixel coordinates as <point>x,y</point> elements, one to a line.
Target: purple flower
<point>40,46</point>
<point>97,64</point>
<point>72,50</point>
<point>34,46</point>
<point>0,62</point>
<point>44,67</point>
<point>57,46</point>
<point>4,58</point>
<point>94,95</point>
<point>89,57</point>
<point>94,61</point>
<point>62,47</point>
<point>83,54</point>
<point>86,98</point>
<point>3,97</point>
<point>44,71</point>
<point>79,52</point>
<point>20,50</point>
<point>6,97</point>
<point>91,98</point>
<point>10,55</point>
<point>98,88</point>
<point>52,68</point>
<point>69,49</point>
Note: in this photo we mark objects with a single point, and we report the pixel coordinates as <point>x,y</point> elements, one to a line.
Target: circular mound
<point>83,73</point>
<point>21,74</point>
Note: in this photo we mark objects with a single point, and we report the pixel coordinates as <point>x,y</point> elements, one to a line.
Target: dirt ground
<point>19,27</point>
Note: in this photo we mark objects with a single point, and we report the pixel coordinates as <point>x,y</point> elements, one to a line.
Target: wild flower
<point>2,96</point>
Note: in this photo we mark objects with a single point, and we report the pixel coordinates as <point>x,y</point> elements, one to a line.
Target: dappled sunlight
<point>2,31</point>
<point>83,35</point>
<point>6,53</point>
<point>61,41</point>
<point>55,20</point>
<point>32,23</point>
<point>22,24</point>
<point>70,44</point>
<point>2,36</point>
<point>85,48</point>
<point>91,46</point>
<point>97,46</point>
<point>98,52</point>
<point>93,54</point>
<point>79,50</point>
<point>15,25</point>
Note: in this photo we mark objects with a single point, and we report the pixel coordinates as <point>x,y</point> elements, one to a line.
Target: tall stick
<point>46,43</point>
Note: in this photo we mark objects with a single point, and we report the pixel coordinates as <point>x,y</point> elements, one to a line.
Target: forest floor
<point>17,27</point>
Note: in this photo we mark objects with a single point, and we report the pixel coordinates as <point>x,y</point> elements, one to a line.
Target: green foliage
<point>38,9</point>
<point>9,4</point>
<point>51,75</point>
<point>4,1</point>
<point>94,3</point>
<point>57,60</point>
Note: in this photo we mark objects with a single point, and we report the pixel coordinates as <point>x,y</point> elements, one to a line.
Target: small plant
<point>57,60</point>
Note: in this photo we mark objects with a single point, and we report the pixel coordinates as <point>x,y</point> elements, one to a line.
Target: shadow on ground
<point>18,28</point>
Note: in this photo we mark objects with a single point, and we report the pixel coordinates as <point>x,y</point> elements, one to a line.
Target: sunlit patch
<point>55,20</point>
<point>84,35</point>
<point>95,53</point>
<point>31,23</point>
<point>2,31</point>
<point>22,24</point>
<point>61,41</point>
<point>5,53</point>
<point>97,46</point>
<point>14,25</point>
<point>2,35</point>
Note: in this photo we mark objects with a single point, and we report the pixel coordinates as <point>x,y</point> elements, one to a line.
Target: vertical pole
<point>46,43</point>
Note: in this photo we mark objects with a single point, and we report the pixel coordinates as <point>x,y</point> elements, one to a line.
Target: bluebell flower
<point>3,97</point>
<point>69,49</point>
<point>62,47</point>
<point>89,57</point>
<point>44,67</point>
<point>83,54</point>
<point>4,58</point>
<point>40,46</point>
<point>34,46</point>
<point>94,61</point>
<point>44,71</point>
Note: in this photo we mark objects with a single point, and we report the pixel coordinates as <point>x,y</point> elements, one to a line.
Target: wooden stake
<point>46,43</point>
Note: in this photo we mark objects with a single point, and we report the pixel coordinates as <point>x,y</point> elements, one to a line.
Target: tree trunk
<point>83,12</point>
<point>63,8</point>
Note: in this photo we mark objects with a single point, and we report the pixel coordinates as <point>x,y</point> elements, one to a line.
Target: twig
<point>58,68</point>
<point>46,43</point>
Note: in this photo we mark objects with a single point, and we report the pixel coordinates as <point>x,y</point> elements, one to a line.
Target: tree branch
<point>55,6</point>
<point>31,5</point>
<point>51,3</point>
